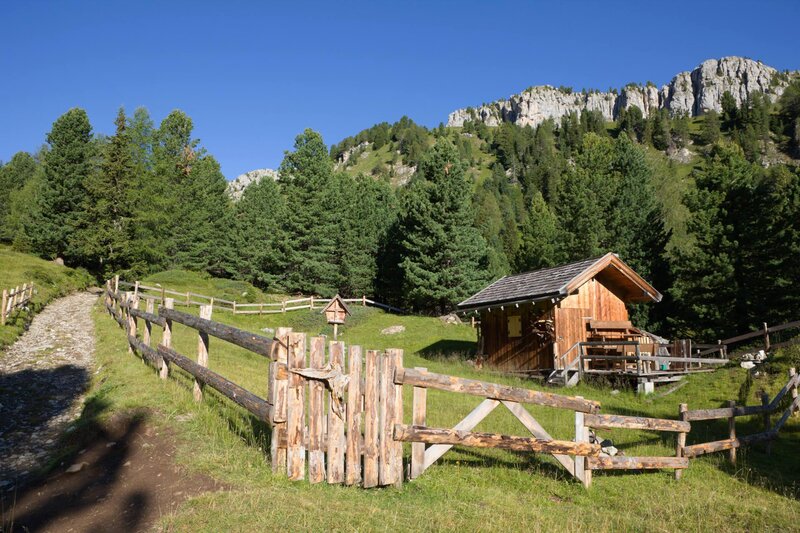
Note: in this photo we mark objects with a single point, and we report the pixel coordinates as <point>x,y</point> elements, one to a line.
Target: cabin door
<point>570,328</point>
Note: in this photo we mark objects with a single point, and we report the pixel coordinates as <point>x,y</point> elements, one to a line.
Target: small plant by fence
<point>336,414</point>
<point>241,308</point>
<point>14,300</point>
<point>732,411</point>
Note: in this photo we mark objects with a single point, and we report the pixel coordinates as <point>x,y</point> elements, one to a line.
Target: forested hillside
<point>706,208</point>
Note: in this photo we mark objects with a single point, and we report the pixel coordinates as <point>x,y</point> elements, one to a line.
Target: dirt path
<point>42,379</point>
<point>122,475</point>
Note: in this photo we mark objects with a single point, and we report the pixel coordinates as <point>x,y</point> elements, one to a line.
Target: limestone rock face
<point>691,93</point>
<point>236,187</point>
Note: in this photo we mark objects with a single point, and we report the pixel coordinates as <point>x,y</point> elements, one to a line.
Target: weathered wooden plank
<point>386,413</point>
<point>724,412</point>
<point>621,462</point>
<point>792,408</point>
<point>396,397</point>
<point>536,429</point>
<point>418,418</point>
<point>202,351</point>
<point>281,386</point>
<point>241,396</point>
<point>336,439</point>
<point>417,378</point>
<point>316,414</point>
<point>148,315</point>
<point>454,437</point>
<point>709,447</point>
<point>636,422</point>
<point>433,453</point>
<point>295,409</point>
<point>354,410</point>
<point>371,418</point>
<point>247,340</point>
<point>581,469</point>
<point>791,385</point>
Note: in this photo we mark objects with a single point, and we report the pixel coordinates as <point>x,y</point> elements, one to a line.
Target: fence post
<point>116,284</point>
<point>354,410</point>
<point>295,409</point>
<point>682,416</point>
<point>148,326</point>
<point>280,386</point>
<point>792,373</point>
<point>396,454</point>
<point>261,309</point>
<point>581,435</point>
<point>234,307</point>
<point>765,404</point>
<point>363,300</point>
<point>202,352</point>
<point>312,303</point>
<point>133,303</point>
<point>766,338</point>
<point>136,288</point>
<point>166,338</point>
<point>372,386</point>
<point>732,433</point>
<point>3,309</point>
<point>188,298</point>
<point>418,418</point>
<point>316,414</point>
<point>336,439</point>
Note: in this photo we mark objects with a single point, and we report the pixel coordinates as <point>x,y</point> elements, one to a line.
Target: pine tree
<point>106,230</point>
<point>445,258</point>
<point>55,218</point>
<point>258,251</point>
<point>312,216</point>
<point>539,241</point>
<point>13,177</point>
<point>710,132</point>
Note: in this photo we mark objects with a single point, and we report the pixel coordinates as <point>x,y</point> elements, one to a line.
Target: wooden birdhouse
<point>335,313</point>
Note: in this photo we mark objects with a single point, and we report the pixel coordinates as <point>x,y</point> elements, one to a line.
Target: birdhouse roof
<point>336,299</point>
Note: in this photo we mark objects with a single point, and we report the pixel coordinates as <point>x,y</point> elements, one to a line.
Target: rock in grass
<point>393,330</point>
<point>77,467</point>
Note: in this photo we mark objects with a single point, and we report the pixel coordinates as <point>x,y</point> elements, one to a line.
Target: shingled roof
<point>558,282</point>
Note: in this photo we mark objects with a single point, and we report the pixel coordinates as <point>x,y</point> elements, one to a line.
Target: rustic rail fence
<point>14,300</point>
<point>336,412</point>
<point>189,299</point>
<point>763,333</point>
<point>732,411</point>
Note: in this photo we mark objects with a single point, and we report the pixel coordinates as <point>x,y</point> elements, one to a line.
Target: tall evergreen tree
<point>106,231</point>
<point>445,257</point>
<point>55,218</point>
<point>13,177</point>
<point>540,234</point>
<point>312,216</point>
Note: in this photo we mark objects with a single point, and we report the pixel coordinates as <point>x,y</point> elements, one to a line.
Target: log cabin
<point>530,322</point>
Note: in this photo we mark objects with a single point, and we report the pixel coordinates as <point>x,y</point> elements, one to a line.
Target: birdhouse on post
<point>335,313</point>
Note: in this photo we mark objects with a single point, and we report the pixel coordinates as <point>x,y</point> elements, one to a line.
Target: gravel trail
<point>43,377</point>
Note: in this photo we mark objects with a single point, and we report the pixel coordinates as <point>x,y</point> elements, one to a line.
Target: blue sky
<point>252,75</point>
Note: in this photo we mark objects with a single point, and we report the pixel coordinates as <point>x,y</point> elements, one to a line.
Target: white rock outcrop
<point>692,93</point>
<point>236,187</point>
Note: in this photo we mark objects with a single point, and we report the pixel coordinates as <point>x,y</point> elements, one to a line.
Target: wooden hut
<point>530,321</point>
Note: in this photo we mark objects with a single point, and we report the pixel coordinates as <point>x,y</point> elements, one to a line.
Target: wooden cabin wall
<point>594,300</point>
<point>530,351</point>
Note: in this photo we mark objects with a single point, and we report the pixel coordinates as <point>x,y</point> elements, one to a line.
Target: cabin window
<point>514,326</point>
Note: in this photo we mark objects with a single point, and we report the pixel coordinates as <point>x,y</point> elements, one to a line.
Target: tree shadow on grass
<point>449,350</point>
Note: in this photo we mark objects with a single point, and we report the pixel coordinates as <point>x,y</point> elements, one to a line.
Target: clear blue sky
<point>252,75</point>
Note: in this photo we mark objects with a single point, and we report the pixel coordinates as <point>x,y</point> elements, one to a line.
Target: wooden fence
<point>261,308</point>
<point>732,411</point>
<point>336,412</point>
<point>15,299</point>
<point>763,333</point>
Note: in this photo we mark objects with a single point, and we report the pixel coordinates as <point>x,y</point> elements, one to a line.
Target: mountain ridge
<point>692,93</point>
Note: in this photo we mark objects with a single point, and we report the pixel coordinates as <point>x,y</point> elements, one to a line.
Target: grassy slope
<point>468,489</point>
<point>50,280</point>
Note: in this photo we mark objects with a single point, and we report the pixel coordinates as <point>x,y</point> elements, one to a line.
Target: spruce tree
<point>539,241</point>
<point>106,230</point>
<point>445,257</point>
<point>13,177</point>
<point>55,218</point>
<point>312,217</point>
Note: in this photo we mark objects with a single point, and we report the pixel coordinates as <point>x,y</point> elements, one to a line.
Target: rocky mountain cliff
<point>692,93</point>
<point>236,187</point>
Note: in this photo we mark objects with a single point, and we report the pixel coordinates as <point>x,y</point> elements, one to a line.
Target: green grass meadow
<point>468,489</point>
<point>50,281</point>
